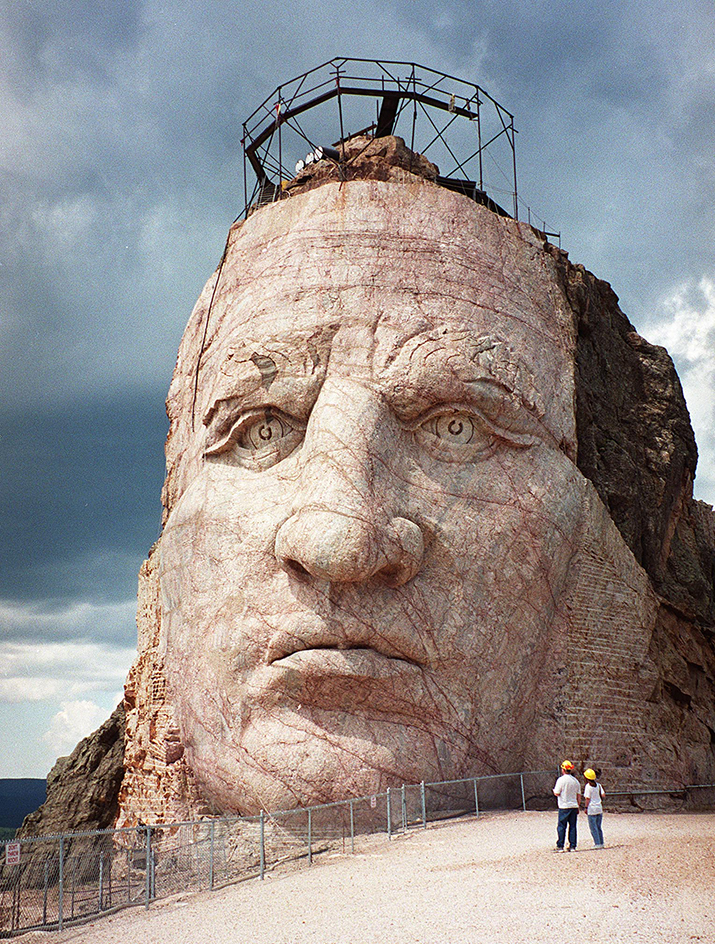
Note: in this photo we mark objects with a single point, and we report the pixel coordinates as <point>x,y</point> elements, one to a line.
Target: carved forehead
<point>406,366</point>
<point>385,246</point>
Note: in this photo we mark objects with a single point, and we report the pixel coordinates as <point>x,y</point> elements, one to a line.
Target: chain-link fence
<point>51,881</point>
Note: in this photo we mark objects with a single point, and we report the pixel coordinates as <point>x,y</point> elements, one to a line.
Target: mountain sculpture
<point>428,514</point>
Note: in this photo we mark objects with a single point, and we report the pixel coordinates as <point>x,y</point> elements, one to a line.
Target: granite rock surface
<point>562,535</point>
<point>83,788</point>
<point>428,513</point>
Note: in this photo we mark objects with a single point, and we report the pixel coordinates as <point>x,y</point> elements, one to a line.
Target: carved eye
<point>263,431</point>
<point>455,428</point>
<point>455,435</point>
<point>259,439</point>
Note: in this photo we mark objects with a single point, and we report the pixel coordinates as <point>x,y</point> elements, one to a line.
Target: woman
<point>593,794</point>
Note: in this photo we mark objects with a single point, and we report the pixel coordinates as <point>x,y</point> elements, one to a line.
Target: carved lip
<point>323,640</point>
<point>357,662</point>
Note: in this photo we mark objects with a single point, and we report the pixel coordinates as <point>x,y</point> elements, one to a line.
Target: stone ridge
<point>365,158</point>
<point>636,446</point>
<point>83,789</point>
<point>635,442</point>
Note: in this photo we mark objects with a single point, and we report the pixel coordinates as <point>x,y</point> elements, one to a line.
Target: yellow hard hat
<point>589,774</point>
<point>567,765</point>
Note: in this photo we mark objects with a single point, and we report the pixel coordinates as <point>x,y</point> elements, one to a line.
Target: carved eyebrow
<point>453,360</point>
<point>454,367</point>
<point>288,369</point>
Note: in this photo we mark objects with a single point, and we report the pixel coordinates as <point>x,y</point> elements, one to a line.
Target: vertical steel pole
<point>147,878</point>
<point>523,796</point>
<point>101,878</point>
<point>211,857</point>
<point>109,881</point>
<point>414,115</point>
<point>479,142</point>
<point>263,846</point>
<point>280,144</point>
<point>310,836</point>
<point>223,854</point>
<point>352,827</point>
<point>61,889</point>
<point>245,175</point>
<point>129,875</point>
<point>44,897</point>
<point>340,114</point>
<point>389,814</point>
<point>476,800</point>
<point>513,155</point>
<point>424,805</point>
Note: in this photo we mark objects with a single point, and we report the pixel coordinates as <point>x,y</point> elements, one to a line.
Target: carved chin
<point>313,756</point>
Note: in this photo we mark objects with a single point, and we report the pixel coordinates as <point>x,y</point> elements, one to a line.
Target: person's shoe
<point>572,848</point>
<point>559,849</point>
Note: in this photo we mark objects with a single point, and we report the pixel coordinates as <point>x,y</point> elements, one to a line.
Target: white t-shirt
<point>593,792</point>
<point>567,789</point>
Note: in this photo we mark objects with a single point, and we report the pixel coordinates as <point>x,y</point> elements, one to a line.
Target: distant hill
<point>18,798</point>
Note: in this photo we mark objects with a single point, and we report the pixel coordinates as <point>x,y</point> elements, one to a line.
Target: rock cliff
<point>634,444</point>
<point>83,789</point>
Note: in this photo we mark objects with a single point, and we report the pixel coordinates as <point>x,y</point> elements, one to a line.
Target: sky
<point>121,170</point>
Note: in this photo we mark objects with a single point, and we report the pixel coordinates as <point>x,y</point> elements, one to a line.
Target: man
<point>567,789</point>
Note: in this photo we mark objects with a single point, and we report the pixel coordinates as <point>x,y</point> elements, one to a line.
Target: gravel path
<point>481,882</point>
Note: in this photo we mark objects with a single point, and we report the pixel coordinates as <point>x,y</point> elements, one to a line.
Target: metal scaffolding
<point>445,118</point>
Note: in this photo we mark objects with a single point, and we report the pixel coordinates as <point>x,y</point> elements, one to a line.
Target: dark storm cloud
<point>79,499</point>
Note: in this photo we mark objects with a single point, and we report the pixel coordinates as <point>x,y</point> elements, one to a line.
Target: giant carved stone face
<point>371,521</point>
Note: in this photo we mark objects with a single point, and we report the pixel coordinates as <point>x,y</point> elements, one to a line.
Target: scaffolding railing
<point>345,97</point>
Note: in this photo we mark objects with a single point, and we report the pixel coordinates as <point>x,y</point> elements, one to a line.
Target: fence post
<point>424,805</point>
<point>129,875</point>
<point>523,796</point>
<point>310,836</point>
<point>147,882</point>
<point>61,886</point>
<point>101,878</point>
<point>476,799</point>
<point>263,847</point>
<point>389,814</point>
<point>15,906</point>
<point>352,827</point>
<point>404,810</point>
<point>44,897</point>
<point>211,857</point>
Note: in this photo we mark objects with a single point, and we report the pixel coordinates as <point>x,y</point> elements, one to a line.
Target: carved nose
<point>345,548</point>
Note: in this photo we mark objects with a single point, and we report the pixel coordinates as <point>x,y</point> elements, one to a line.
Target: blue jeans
<point>594,824</point>
<point>567,818</point>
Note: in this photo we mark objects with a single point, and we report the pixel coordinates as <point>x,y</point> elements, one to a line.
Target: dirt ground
<point>486,881</point>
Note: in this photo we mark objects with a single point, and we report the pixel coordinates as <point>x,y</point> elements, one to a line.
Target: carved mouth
<point>302,635</point>
<point>356,662</point>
